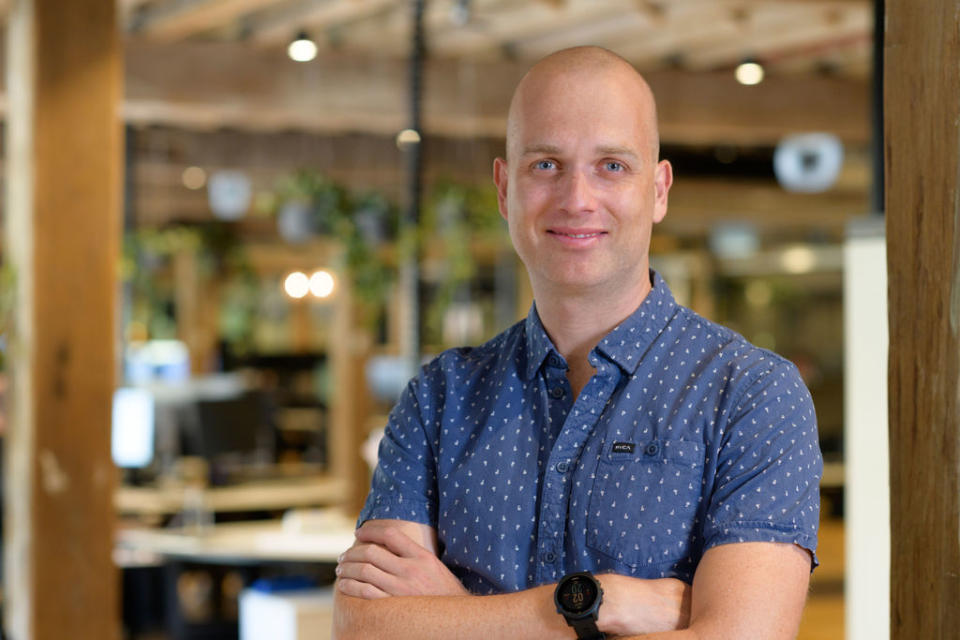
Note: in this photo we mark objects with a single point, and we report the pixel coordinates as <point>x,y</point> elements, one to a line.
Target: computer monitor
<point>132,428</point>
<point>233,433</point>
<point>157,361</point>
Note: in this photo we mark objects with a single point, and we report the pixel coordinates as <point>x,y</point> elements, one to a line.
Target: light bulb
<point>321,283</point>
<point>302,49</point>
<point>749,73</point>
<point>296,285</point>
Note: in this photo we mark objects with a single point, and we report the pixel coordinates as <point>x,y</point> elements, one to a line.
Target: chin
<point>578,282</point>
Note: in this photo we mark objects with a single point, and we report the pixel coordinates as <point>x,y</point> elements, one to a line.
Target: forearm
<point>764,601</point>
<point>526,614</point>
<point>392,585</point>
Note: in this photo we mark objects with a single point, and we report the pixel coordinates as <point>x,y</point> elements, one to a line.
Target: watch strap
<point>586,629</point>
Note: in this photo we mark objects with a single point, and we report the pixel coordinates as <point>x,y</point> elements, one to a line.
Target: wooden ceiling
<point>788,36</point>
<point>209,64</point>
<point>214,64</point>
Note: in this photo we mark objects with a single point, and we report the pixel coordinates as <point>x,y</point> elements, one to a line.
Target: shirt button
<point>548,557</point>
<point>562,467</point>
<point>652,449</point>
<point>553,361</point>
<point>557,392</point>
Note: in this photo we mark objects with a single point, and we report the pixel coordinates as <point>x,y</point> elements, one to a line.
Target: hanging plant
<point>362,224</point>
<point>457,215</point>
<point>453,217</point>
<point>146,268</point>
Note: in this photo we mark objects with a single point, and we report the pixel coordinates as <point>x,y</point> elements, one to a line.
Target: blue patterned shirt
<point>685,438</point>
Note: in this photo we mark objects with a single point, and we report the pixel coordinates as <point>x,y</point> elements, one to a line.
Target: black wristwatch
<point>578,597</point>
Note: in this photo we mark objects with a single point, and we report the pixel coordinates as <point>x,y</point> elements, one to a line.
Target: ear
<point>662,181</point>
<point>500,179</point>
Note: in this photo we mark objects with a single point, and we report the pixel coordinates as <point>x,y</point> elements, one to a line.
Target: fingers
<point>369,574</point>
<point>373,565</point>
<point>391,537</point>
<point>359,589</point>
<point>373,554</point>
<point>385,557</point>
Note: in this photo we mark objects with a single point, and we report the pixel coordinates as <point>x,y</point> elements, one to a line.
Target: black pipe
<point>414,156</point>
<point>876,140</point>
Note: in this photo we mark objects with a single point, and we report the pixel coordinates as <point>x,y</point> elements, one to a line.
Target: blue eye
<point>612,165</point>
<point>544,164</point>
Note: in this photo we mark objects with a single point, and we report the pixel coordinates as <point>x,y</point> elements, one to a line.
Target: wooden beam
<point>184,18</point>
<point>63,191</point>
<point>838,3</point>
<point>586,31</point>
<point>280,26</point>
<point>231,85</point>
<point>710,107</point>
<point>528,30</point>
<point>260,89</point>
<point>922,129</point>
<point>682,27</point>
<point>698,205</point>
<point>490,25</point>
<point>774,31</point>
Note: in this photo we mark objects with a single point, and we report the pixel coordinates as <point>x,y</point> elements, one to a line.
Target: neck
<point>577,322</point>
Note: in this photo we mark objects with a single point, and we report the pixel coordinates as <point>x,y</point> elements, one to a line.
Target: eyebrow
<point>603,149</point>
<point>617,151</point>
<point>541,148</point>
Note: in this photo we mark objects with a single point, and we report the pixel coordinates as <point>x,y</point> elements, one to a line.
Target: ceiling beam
<point>683,27</point>
<point>522,25</point>
<point>251,88</point>
<point>184,18</point>
<point>216,85</point>
<point>587,31</point>
<point>778,30</point>
<point>277,27</point>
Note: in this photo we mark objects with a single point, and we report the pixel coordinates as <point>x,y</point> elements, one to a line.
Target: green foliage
<point>455,216</point>
<point>147,269</point>
<point>362,223</point>
<point>366,224</point>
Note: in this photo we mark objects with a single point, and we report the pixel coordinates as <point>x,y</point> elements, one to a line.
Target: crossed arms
<point>392,585</point>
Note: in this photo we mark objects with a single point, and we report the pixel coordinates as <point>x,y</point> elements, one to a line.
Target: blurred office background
<point>301,227</point>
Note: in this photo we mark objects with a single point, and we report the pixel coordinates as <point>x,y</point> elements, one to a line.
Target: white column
<point>867,481</point>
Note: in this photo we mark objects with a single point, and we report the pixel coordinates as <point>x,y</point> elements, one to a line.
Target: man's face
<point>581,188</point>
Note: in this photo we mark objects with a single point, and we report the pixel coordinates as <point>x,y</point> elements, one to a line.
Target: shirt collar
<point>625,344</point>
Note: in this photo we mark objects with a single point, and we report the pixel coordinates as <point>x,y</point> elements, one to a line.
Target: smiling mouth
<point>578,236</point>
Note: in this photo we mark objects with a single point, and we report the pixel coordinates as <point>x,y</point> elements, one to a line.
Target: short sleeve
<point>404,481</point>
<point>767,484</point>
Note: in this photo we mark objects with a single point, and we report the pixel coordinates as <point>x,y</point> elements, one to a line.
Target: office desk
<point>274,494</point>
<point>238,543</point>
<point>244,550</point>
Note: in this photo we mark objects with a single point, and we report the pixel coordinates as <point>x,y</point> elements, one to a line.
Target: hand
<point>634,606</point>
<point>385,561</point>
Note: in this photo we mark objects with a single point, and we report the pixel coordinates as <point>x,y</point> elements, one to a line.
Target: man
<point>613,432</point>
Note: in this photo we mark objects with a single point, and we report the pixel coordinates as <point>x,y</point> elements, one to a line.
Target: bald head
<point>571,72</point>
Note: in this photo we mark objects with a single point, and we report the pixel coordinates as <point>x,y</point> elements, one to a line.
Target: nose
<point>577,194</point>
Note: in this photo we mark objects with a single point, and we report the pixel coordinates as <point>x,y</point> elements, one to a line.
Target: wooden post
<point>64,153</point>
<point>196,304</point>
<point>349,402</point>
<point>922,112</point>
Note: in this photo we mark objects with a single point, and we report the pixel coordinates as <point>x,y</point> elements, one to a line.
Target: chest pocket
<point>644,502</point>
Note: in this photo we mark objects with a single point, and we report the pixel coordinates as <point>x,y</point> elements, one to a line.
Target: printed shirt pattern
<point>686,437</point>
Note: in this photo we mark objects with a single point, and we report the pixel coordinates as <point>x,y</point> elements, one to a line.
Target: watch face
<point>578,594</point>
